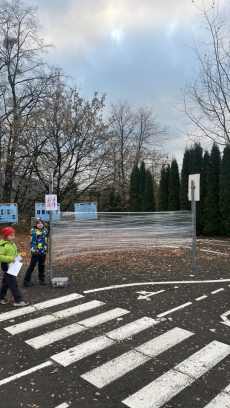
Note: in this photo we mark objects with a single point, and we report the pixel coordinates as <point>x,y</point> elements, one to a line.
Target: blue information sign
<point>8,213</point>
<point>40,211</point>
<point>86,210</point>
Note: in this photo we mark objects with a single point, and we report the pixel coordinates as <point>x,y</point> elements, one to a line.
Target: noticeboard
<point>85,210</point>
<point>51,202</point>
<point>40,211</point>
<point>8,213</point>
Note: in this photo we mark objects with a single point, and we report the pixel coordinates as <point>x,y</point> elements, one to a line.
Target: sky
<point>138,50</point>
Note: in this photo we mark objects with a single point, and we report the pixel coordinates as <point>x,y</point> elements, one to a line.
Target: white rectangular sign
<point>196,179</point>
<point>51,202</point>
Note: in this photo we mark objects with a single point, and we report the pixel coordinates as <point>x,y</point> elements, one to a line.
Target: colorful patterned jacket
<point>8,251</point>
<point>39,240</point>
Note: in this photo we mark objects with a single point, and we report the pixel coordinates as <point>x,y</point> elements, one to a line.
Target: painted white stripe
<point>222,400</point>
<point>173,310</point>
<point>199,363</point>
<point>31,324</point>
<point>63,332</point>
<point>23,373</point>
<point>57,301</point>
<point>155,283</point>
<point>159,391</point>
<point>82,350</point>
<point>103,317</point>
<point>132,328</point>
<point>170,384</point>
<point>40,321</point>
<point>218,290</point>
<point>15,313</point>
<point>56,335</point>
<point>38,306</point>
<point>202,297</point>
<point>99,343</point>
<point>164,342</point>
<point>114,369</point>
<point>63,405</point>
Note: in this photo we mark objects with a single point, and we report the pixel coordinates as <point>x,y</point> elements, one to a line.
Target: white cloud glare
<point>128,49</point>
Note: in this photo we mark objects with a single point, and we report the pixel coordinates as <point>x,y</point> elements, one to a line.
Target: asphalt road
<point>164,344</point>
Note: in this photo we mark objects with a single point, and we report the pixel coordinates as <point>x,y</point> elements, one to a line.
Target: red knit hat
<point>7,231</point>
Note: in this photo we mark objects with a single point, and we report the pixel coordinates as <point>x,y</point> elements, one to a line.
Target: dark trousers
<point>10,282</point>
<point>40,259</point>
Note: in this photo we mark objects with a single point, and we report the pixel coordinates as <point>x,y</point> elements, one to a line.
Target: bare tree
<point>136,135</point>
<point>205,99</point>
<point>24,78</point>
<point>69,138</point>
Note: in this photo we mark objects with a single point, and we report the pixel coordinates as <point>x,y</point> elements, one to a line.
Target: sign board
<point>40,211</point>
<point>8,213</point>
<point>51,202</point>
<point>85,210</point>
<point>196,179</point>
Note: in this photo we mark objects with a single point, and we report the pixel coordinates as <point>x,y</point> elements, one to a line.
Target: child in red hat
<point>8,253</point>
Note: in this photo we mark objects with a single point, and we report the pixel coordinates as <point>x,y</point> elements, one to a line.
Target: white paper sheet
<point>18,258</point>
<point>14,268</point>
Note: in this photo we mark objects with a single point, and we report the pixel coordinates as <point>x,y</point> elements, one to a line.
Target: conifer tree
<point>148,198</point>
<point>164,189</point>
<point>225,191</point>
<point>212,213</point>
<point>174,187</point>
<point>135,190</point>
<point>185,204</point>
<point>142,184</point>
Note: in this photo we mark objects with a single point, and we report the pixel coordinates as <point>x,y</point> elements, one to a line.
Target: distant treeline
<point>213,209</point>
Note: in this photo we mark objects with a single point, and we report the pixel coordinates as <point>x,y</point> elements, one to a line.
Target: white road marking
<point>63,332</point>
<point>222,400</point>
<point>145,295</point>
<point>23,373</point>
<point>201,297</point>
<point>64,405</point>
<point>224,317</point>
<point>160,391</point>
<point>163,342</point>
<point>38,306</point>
<point>218,290</point>
<point>99,343</point>
<point>114,369</point>
<point>154,283</point>
<point>132,328</point>
<point>82,350</point>
<point>173,310</point>
<point>40,321</point>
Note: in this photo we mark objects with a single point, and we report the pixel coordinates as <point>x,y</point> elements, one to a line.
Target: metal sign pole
<point>50,222</point>
<point>194,222</point>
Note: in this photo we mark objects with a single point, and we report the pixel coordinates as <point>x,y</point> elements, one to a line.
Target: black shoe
<point>27,283</point>
<point>42,282</point>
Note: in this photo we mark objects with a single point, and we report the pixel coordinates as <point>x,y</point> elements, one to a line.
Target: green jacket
<point>8,251</point>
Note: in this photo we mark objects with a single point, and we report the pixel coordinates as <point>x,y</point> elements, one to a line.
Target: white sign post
<point>193,196</point>
<point>51,205</point>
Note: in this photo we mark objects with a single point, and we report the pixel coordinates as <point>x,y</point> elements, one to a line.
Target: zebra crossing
<point>155,394</point>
